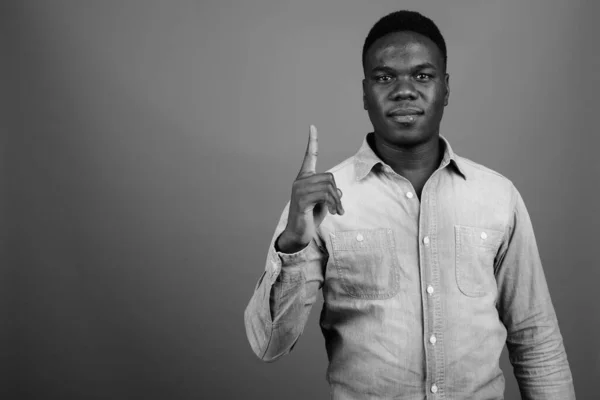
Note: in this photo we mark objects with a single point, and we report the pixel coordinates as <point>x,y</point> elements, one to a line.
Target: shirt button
<point>359,237</point>
<point>432,339</point>
<point>483,235</point>
<point>430,289</point>
<point>426,240</point>
<point>409,195</point>
<point>434,388</point>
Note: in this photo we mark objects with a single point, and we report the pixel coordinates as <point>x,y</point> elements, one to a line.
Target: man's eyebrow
<point>424,65</point>
<point>382,68</point>
<point>418,67</point>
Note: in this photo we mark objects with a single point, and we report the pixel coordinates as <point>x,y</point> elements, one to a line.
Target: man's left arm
<point>534,342</point>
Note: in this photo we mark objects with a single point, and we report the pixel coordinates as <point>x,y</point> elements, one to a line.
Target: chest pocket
<point>476,250</point>
<point>366,262</point>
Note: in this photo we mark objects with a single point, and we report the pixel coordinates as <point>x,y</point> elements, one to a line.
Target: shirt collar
<point>365,159</point>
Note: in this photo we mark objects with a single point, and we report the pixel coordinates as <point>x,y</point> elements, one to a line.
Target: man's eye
<point>383,78</point>
<point>424,77</point>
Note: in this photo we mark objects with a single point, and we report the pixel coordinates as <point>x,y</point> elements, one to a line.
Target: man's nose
<point>404,89</point>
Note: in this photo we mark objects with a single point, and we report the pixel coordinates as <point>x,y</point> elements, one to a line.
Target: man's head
<point>405,88</point>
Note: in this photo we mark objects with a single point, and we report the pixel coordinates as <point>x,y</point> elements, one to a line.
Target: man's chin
<point>404,137</point>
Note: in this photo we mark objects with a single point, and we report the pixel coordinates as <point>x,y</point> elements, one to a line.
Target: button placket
<point>431,272</point>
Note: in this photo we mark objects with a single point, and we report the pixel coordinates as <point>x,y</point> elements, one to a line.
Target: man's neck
<point>415,161</point>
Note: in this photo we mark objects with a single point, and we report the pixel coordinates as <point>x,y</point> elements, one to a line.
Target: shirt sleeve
<point>283,297</point>
<point>534,342</point>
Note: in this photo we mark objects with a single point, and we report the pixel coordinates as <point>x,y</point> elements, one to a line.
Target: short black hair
<point>405,20</point>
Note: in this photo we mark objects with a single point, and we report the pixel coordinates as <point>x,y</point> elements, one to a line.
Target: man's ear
<point>364,83</point>
<point>447,79</point>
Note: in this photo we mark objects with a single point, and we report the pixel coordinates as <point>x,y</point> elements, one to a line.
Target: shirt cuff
<point>286,267</point>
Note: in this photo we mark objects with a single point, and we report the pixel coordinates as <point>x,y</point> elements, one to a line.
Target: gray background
<point>153,145</point>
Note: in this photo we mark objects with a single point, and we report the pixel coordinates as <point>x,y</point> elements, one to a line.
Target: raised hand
<point>312,196</point>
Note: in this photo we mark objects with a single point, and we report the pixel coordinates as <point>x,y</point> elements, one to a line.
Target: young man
<point>427,261</point>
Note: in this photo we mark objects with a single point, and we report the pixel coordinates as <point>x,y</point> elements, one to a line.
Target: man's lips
<point>401,112</point>
<point>405,115</point>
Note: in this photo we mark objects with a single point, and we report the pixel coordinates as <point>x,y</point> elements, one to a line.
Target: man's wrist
<point>288,244</point>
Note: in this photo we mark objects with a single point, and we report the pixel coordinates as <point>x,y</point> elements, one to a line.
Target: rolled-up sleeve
<point>534,341</point>
<point>283,297</point>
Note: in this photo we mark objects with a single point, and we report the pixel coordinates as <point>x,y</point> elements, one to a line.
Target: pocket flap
<point>475,236</point>
<point>362,239</point>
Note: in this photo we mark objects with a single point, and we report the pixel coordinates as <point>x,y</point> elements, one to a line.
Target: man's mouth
<point>405,111</point>
<point>405,115</point>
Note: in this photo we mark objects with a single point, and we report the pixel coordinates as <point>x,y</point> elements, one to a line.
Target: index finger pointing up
<point>309,164</point>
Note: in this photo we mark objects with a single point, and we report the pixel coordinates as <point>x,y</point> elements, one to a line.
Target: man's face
<point>405,88</point>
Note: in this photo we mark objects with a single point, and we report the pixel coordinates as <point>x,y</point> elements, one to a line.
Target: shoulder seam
<point>341,164</point>
<point>483,168</point>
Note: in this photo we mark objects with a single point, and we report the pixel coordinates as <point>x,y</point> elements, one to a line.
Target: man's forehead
<point>402,46</point>
<point>405,49</point>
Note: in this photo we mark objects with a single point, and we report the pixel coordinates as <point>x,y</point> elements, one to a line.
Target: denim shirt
<point>420,295</point>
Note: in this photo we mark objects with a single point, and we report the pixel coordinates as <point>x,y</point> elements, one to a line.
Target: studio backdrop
<point>150,146</point>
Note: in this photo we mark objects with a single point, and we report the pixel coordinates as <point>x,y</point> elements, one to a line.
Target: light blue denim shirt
<point>420,296</point>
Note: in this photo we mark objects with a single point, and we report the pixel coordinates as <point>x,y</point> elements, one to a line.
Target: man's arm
<point>285,293</point>
<point>278,310</point>
<point>534,341</point>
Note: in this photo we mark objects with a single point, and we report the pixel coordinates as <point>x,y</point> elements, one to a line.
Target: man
<point>427,261</point>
